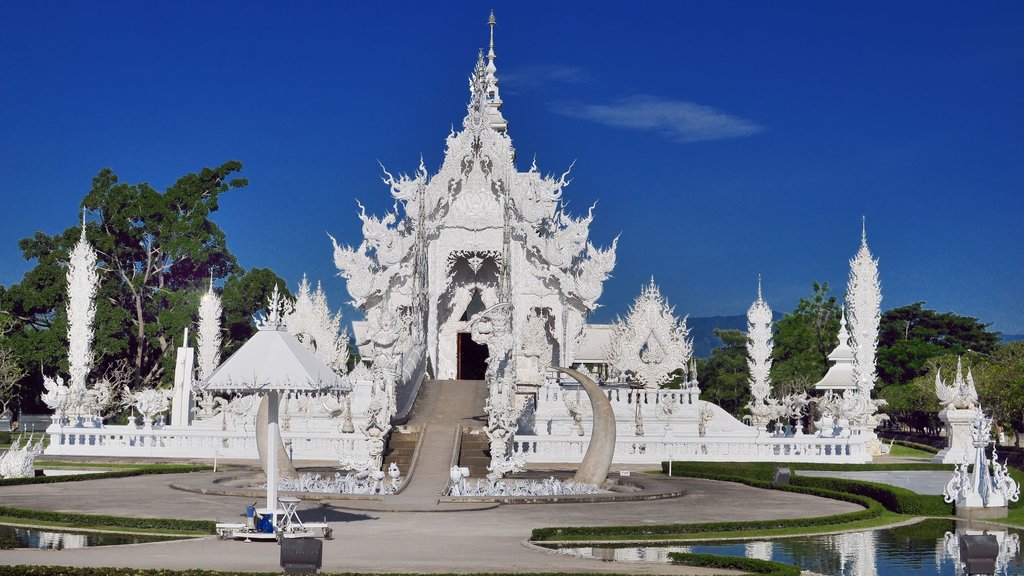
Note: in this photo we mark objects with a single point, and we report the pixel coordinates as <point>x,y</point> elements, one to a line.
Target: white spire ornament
<point>651,343</point>
<point>83,281</point>
<point>209,337</point>
<point>759,360</point>
<point>863,303</point>
<point>312,322</point>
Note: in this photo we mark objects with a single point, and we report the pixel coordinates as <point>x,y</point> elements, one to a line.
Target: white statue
<point>961,395</point>
<point>18,461</point>
<point>56,397</point>
<point>981,486</point>
<point>650,343</point>
<point>150,402</point>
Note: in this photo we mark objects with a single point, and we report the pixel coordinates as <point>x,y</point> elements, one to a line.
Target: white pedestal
<point>959,446</point>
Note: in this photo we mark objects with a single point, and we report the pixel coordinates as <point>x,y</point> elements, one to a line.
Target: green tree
<point>158,251</point>
<point>911,335</point>
<point>803,340</point>
<point>724,375</point>
<point>243,295</point>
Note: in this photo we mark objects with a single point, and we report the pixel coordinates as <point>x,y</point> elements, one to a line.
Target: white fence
<point>171,442</point>
<point>643,450</point>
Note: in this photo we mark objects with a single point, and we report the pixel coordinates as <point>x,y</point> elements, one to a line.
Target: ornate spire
<point>863,300</point>
<point>759,358</point>
<point>208,339</point>
<point>493,97</point>
<point>83,280</point>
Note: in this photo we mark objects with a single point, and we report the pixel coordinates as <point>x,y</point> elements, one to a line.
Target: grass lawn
<point>906,452</point>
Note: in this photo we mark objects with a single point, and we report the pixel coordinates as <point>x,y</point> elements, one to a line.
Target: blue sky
<point>721,139</point>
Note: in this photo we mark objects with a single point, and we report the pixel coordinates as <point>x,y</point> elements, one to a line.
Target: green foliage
<point>914,404</point>
<point>157,253</point>
<point>894,498</point>
<point>910,335</point>
<point>244,294</point>
<point>724,375</point>
<point>122,522</point>
<point>803,340</point>
<point>752,566</point>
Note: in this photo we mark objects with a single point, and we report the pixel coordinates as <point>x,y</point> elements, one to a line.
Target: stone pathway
<point>370,541</point>
<point>920,481</point>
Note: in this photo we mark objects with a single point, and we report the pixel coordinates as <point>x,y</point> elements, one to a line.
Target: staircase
<point>401,447</point>
<point>475,452</point>
<point>441,407</point>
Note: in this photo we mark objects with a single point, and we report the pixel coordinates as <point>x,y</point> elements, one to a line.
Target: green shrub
<point>94,520</point>
<point>917,446</point>
<point>894,498</point>
<point>752,565</point>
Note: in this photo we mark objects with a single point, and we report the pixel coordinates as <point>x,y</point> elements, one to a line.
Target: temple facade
<point>476,232</point>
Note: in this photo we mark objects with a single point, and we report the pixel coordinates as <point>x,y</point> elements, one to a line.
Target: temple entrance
<point>472,358</point>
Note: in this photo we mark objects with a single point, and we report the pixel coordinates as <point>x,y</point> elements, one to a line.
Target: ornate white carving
<point>759,360</point>
<point>863,302</point>
<point>980,487</point>
<point>650,344</point>
<point>56,396</point>
<point>312,322</point>
<point>18,461</point>
<point>150,402</point>
<point>446,229</point>
<point>208,337</point>
<point>961,395</point>
<point>83,281</point>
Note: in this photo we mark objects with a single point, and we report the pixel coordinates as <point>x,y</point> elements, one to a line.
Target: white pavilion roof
<point>594,347</point>
<point>840,373</point>
<point>273,359</point>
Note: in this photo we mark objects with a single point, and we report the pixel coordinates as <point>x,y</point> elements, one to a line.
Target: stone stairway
<point>401,447</point>
<point>441,407</point>
<point>475,452</point>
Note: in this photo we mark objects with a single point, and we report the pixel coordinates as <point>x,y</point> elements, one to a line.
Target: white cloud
<point>677,120</point>
<point>531,77</point>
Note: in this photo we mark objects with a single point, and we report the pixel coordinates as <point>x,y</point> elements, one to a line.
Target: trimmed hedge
<point>134,471</point>
<point>894,498</point>
<point>752,565</point>
<point>764,470</point>
<point>96,520</point>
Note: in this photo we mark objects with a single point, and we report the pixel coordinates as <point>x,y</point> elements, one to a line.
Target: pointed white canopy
<point>840,375</point>
<point>273,359</point>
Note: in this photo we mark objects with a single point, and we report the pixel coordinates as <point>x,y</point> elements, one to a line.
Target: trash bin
<point>978,553</point>
<point>781,477</point>
<point>301,555</point>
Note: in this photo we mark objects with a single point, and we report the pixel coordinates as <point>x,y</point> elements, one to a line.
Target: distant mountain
<point>1011,337</point>
<point>702,330</point>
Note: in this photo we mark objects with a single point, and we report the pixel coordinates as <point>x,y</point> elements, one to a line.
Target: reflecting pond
<point>925,548</point>
<point>14,537</point>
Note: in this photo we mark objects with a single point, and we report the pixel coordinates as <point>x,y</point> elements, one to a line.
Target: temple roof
<point>840,374</point>
<point>273,359</point>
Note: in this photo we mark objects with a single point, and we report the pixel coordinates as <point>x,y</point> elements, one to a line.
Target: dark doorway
<point>472,358</point>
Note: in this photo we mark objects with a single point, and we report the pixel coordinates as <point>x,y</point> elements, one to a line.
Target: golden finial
<point>491,19</point>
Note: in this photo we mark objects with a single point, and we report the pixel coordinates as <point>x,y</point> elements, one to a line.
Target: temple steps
<point>402,447</point>
<point>442,406</point>
<point>474,451</point>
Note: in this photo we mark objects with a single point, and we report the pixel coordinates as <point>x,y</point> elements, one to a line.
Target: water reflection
<point>14,537</point>
<point>914,550</point>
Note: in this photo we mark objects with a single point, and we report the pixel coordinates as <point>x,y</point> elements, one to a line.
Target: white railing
<point>169,442</point>
<point>643,450</point>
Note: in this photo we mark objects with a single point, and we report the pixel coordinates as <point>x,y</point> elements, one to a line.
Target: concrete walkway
<point>473,541</point>
<point>920,481</point>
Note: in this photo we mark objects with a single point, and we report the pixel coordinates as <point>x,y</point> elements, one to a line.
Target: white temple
<point>480,273</point>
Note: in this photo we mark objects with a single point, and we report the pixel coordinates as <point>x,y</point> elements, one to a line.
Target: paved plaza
<point>920,481</point>
<point>464,541</point>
